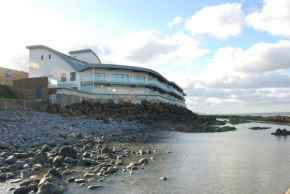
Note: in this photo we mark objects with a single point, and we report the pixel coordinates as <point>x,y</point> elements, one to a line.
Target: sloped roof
<point>84,51</point>
<point>79,65</point>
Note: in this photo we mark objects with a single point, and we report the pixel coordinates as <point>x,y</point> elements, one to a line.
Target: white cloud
<point>175,21</point>
<point>221,21</point>
<point>273,18</point>
<point>150,48</point>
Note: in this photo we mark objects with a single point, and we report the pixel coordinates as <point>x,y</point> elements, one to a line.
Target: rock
<point>87,175</point>
<point>79,135</point>
<point>143,161</point>
<point>16,181</point>
<point>278,132</point>
<point>49,188</point>
<point>134,168</point>
<point>67,172</point>
<point>163,178</point>
<point>27,182</point>
<point>13,167</point>
<point>94,186</point>
<point>11,159</point>
<point>284,132</point>
<point>11,175</point>
<point>69,160</point>
<point>105,150</point>
<point>46,148</point>
<point>58,160</point>
<point>51,184</point>
<point>3,176</point>
<point>87,161</point>
<point>86,155</point>
<point>79,180</point>
<point>112,170</point>
<point>141,152</point>
<point>55,173</point>
<point>67,151</point>
<point>71,179</point>
<point>22,190</point>
<point>22,155</point>
<point>25,174</point>
<point>4,145</point>
<point>32,187</point>
<point>40,157</point>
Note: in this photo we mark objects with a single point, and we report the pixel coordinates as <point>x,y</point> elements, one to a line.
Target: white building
<point>83,74</point>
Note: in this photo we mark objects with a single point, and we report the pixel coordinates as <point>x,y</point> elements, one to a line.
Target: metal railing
<point>154,82</point>
<point>56,84</point>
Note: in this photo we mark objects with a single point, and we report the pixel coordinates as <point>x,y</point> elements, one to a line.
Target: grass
<point>5,92</point>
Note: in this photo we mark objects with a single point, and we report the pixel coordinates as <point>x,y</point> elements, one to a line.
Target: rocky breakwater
<point>158,115</point>
<point>280,132</point>
<point>95,154</point>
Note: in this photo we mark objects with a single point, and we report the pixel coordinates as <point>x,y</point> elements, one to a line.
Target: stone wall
<point>22,104</point>
<point>27,87</point>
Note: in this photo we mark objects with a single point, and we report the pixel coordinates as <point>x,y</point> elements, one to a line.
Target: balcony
<point>89,80</point>
<point>53,83</point>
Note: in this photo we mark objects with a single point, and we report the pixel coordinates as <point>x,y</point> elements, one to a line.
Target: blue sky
<point>229,56</point>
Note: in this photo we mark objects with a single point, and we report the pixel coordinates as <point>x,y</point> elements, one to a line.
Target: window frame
<point>71,77</point>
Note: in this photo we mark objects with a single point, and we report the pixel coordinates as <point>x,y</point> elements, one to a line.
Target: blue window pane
<point>73,76</point>
<point>63,77</point>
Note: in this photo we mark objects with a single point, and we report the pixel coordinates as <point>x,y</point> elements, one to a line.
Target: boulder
<point>49,188</point>
<point>55,173</point>
<point>11,159</point>
<point>4,145</point>
<point>22,190</point>
<point>13,167</point>
<point>67,151</point>
<point>69,160</point>
<point>143,161</point>
<point>21,155</point>
<point>40,157</point>
<point>58,160</point>
<point>105,150</point>
<point>79,135</point>
<point>51,184</point>
<point>46,148</point>
<point>25,174</point>
<point>278,131</point>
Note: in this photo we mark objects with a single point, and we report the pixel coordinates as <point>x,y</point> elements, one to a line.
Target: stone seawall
<point>22,104</point>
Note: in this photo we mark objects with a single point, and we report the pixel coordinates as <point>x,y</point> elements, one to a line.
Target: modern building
<point>82,74</point>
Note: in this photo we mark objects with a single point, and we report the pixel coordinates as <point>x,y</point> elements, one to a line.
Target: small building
<point>82,75</point>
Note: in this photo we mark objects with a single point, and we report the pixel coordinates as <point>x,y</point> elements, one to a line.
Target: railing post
<point>93,80</point>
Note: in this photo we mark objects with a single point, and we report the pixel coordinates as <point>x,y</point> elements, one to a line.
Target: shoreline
<point>32,140</point>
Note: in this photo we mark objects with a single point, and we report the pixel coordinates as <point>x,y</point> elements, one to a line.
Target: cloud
<point>259,58</point>
<point>273,18</point>
<point>152,47</point>
<point>220,21</point>
<point>175,21</point>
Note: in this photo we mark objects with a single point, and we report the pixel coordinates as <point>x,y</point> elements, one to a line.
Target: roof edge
<point>84,51</point>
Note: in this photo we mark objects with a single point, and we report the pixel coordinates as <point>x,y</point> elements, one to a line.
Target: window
<point>73,76</point>
<point>63,77</point>
<point>139,79</point>
<point>41,57</point>
<point>49,56</point>
<point>100,76</point>
<point>120,78</point>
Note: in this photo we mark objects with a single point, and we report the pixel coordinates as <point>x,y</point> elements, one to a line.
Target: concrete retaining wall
<point>22,104</point>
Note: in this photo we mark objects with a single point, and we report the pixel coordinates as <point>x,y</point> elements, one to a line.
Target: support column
<point>93,80</point>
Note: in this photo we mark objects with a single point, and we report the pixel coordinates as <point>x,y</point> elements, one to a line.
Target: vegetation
<point>259,128</point>
<point>5,92</point>
<point>224,129</point>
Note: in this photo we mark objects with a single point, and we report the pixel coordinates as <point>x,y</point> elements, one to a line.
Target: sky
<point>228,56</point>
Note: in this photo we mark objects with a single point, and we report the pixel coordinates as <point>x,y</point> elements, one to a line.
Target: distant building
<point>7,76</point>
<point>83,74</point>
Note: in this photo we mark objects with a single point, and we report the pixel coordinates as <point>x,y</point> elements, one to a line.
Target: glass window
<point>41,57</point>
<point>88,88</point>
<point>139,79</point>
<point>63,77</point>
<point>120,78</point>
<point>73,76</point>
<point>49,56</point>
<point>100,76</point>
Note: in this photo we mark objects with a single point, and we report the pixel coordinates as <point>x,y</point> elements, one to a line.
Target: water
<point>238,162</point>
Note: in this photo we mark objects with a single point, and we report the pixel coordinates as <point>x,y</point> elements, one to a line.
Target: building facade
<point>82,74</point>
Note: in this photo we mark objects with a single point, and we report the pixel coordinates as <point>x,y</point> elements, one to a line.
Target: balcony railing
<point>54,83</point>
<point>154,82</point>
